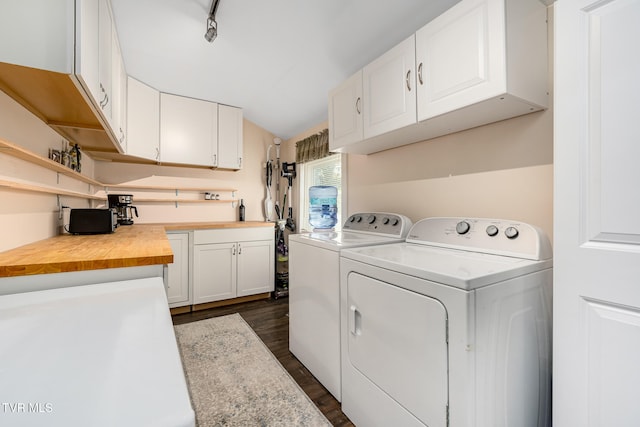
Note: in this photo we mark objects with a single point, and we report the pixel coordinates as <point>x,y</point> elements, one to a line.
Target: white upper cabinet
<point>345,113</point>
<point>105,58</point>
<point>188,130</point>
<point>87,60</point>
<point>479,62</point>
<point>230,137</point>
<point>389,90</point>
<point>143,120</point>
<point>483,49</point>
<point>118,93</point>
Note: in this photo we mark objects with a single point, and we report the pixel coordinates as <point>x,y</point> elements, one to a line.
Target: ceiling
<point>275,59</point>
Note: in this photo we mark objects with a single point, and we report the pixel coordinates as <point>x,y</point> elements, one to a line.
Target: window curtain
<point>313,147</point>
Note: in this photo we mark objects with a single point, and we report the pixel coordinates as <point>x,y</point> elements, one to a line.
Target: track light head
<point>212,30</point>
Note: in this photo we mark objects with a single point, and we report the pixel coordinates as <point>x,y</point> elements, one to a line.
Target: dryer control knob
<point>395,222</point>
<point>463,227</point>
<point>492,230</point>
<point>371,219</point>
<point>511,232</point>
<point>386,220</point>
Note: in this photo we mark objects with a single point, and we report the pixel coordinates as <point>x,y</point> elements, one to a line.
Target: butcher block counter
<point>130,246</point>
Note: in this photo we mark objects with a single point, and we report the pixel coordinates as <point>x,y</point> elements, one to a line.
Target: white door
<point>345,113</point>
<point>461,57</point>
<point>255,267</point>
<point>188,130</point>
<point>389,90</point>
<point>229,138</point>
<point>214,272</point>
<point>143,120</point>
<point>597,211</point>
<point>177,273</point>
<point>397,340</point>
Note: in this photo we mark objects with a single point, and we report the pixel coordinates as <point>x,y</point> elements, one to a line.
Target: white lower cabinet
<point>176,275</point>
<point>230,263</point>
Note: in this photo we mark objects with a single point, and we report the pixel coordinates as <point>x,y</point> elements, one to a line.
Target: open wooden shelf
<point>37,188</point>
<point>161,187</point>
<point>11,149</point>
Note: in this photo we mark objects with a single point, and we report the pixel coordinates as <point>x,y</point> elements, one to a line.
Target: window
<point>325,171</point>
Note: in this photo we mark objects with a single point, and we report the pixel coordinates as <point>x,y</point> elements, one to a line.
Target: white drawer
<point>223,235</point>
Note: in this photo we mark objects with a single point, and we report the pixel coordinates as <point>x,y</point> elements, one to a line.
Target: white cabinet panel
<point>230,137</point>
<point>225,269</point>
<point>105,28</point>
<point>88,46</point>
<point>188,130</point>
<point>214,269</point>
<point>177,274</point>
<point>143,120</point>
<point>389,90</point>
<point>255,267</point>
<point>345,113</point>
<point>461,57</point>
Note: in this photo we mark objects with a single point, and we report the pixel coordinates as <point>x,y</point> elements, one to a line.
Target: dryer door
<point>397,339</point>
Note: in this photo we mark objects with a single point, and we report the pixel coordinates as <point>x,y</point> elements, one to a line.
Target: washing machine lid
<point>462,269</point>
<point>337,241</point>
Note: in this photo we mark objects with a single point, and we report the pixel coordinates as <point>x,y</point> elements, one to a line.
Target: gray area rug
<point>234,380</point>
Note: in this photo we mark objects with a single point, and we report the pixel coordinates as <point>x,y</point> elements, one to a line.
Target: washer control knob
<point>352,219</point>
<point>358,218</point>
<point>511,232</point>
<point>492,230</point>
<point>463,227</point>
<point>386,220</point>
<point>395,222</point>
<point>371,219</point>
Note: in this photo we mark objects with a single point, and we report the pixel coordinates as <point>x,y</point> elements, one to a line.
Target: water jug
<point>323,206</point>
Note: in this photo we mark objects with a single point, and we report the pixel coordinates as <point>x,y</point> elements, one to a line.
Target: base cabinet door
<point>232,262</point>
<point>176,276</point>
<point>214,268</point>
<point>255,267</point>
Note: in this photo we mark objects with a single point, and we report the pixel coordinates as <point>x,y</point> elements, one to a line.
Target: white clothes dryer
<point>314,288</point>
<point>450,328</point>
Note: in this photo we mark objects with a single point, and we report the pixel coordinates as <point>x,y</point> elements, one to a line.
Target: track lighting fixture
<point>212,25</point>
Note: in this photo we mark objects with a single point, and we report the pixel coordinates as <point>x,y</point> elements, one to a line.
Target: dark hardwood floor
<point>270,320</point>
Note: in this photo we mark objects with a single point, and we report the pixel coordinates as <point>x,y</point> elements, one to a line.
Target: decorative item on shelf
<point>241,210</point>
<point>67,156</point>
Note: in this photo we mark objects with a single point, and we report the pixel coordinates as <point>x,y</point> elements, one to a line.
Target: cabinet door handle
<point>408,80</point>
<point>420,74</point>
<point>239,162</point>
<point>358,105</point>
<point>233,251</point>
<point>215,160</point>
<point>239,249</point>
<point>157,153</point>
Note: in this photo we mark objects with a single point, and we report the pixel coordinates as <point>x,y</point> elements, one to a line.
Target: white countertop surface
<point>99,355</point>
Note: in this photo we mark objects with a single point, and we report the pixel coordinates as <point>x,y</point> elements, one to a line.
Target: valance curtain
<point>313,147</point>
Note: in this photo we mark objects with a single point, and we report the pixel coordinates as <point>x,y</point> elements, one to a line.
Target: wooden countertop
<point>130,246</point>
<point>172,226</point>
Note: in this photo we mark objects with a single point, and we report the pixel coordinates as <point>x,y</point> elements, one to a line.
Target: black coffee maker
<point>122,205</point>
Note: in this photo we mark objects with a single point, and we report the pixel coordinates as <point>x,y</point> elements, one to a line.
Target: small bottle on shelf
<point>241,210</point>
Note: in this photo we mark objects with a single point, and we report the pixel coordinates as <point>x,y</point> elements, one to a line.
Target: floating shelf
<point>7,147</point>
<point>36,188</point>
<point>161,187</point>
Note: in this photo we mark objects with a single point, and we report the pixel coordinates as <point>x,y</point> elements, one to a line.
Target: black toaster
<point>92,221</point>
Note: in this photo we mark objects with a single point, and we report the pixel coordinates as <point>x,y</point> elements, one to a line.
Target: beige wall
<point>502,170</point>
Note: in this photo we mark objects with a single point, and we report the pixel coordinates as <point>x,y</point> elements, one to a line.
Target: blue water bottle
<point>323,206</point>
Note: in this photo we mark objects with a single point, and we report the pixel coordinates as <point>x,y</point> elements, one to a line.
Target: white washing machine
<point>450,328</point>
<point>314,288</point>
